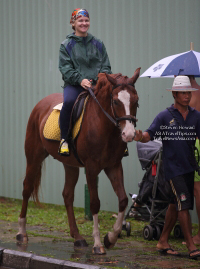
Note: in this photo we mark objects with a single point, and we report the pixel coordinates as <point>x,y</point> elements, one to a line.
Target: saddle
<point>51,129</point>
<point>77,115</point>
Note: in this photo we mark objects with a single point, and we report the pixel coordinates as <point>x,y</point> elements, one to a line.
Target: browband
<point>114,87</point>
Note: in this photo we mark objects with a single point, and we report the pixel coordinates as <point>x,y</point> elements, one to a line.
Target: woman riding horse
<point>100,146</point>
<point>82,56</point>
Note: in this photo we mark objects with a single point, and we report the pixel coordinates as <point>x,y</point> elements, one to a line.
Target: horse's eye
<point>115,102</point>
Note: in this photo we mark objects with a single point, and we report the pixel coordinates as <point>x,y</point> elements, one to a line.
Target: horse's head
<point>125,103</point>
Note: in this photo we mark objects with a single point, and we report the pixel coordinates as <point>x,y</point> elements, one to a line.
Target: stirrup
<point>63,151</point>
<point>126,153</point>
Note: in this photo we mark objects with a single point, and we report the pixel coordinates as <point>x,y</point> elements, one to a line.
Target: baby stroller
<point>154,193</point>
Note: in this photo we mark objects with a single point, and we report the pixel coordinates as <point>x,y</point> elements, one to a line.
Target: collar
<point>189,108</point>
<point>80,38</point>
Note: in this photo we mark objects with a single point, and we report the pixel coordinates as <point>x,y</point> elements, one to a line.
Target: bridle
<point>116,119</point>
<point>130,118</point>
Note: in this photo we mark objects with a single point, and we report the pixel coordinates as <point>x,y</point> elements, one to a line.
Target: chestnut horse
<point>100,146</point>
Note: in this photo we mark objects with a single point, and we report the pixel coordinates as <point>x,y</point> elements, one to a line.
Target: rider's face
<point>81,25</point>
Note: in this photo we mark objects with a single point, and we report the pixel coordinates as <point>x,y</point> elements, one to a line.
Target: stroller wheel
<point>178,232</point>
<point>157,232</point>
<point>148,232</point>
<point>128,229</point>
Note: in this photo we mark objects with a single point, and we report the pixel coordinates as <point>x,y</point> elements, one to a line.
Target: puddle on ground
<point>65,251</point>
<point>134,254</point>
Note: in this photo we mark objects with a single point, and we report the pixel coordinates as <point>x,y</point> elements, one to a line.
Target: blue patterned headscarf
<point>77,13</point>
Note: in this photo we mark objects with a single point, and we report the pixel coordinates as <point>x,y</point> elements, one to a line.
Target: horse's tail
<point>36,186</point>
<point>35,156</point>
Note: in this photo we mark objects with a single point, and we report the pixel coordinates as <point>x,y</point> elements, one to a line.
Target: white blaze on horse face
<point>128,131</point>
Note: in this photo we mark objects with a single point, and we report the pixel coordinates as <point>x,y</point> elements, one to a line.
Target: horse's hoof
<point>22,238</point>
<point>107,243</point>
<point>80,243</point>
<point>98,250</point>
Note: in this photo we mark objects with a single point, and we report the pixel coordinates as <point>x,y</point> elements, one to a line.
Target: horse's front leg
<point>98,247</point>
<point>115,174</point>
<point>91,174</point>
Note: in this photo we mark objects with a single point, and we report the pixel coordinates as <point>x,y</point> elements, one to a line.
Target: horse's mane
<point>103,84</point>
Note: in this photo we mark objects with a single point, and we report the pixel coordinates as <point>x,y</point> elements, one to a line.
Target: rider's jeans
<point>70,94</point>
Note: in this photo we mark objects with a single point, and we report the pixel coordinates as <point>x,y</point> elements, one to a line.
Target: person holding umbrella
<point>195,103</point>
<point>177,127</point>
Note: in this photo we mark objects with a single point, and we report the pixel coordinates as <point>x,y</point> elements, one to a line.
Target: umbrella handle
<point>191,46</point>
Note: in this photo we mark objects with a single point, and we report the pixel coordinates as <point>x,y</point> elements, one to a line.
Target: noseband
<point>116,120</point>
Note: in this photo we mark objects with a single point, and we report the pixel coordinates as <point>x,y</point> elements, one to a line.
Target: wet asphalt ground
<point>131,254</point>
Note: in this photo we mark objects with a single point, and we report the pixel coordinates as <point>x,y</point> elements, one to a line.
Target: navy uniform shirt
<point>178,158</point>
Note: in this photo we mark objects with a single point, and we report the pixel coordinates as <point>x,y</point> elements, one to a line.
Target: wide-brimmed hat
<point>182,84</point>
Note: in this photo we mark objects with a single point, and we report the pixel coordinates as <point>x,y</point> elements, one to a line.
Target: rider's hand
<point>138,135</point>
<point>85,83</point>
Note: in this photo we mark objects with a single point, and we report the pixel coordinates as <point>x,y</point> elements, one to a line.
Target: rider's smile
<point>82,25</point>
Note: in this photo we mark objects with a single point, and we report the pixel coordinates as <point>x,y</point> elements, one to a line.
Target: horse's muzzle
<point>128,134</point>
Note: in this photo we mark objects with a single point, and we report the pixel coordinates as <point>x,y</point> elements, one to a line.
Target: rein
<point>107,115</point>
<point>116,120</point>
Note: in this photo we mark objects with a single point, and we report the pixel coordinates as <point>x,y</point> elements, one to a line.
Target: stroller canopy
<point>147,152</point>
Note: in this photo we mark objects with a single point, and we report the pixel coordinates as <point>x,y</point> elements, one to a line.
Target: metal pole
<point>88,213</point>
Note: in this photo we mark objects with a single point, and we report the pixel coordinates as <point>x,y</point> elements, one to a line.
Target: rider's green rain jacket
<point>82,57</point>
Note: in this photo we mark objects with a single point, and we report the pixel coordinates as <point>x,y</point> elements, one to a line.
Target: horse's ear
<point>135,76</point>
<point>112,80</point>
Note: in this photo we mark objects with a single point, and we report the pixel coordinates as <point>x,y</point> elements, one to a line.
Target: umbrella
<point>186,63</point>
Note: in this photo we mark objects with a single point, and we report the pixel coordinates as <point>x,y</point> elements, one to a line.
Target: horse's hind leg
<point>71,178</point>
<point>115,174</point>
<point>35,155</point>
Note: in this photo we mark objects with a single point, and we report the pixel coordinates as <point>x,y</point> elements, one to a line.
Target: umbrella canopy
<point>186,63</point>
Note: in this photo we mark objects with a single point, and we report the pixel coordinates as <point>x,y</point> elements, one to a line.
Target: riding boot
<point>63,148</point>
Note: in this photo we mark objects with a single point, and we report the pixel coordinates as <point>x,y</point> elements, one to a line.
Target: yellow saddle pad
<point>52,129</point>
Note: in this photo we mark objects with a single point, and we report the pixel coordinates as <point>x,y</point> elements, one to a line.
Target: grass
<point>48,218</point>
<point>54,218</point>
